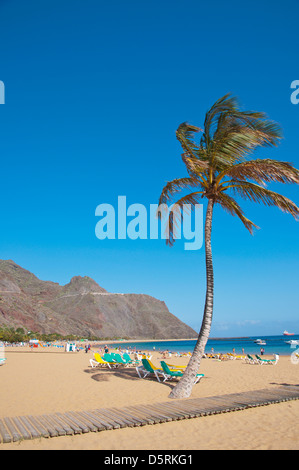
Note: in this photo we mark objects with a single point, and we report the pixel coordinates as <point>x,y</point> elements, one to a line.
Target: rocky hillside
<point>82,308</point>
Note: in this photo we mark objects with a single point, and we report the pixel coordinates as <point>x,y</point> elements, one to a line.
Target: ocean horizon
<point>274,345</point>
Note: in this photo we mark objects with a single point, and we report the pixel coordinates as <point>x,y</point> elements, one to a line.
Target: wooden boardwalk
<point>102,419</point>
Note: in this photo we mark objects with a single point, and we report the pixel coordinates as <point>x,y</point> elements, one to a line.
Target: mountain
<point>82,308</point>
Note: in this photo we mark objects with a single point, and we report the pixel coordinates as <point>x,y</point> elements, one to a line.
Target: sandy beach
<point>49,380</point>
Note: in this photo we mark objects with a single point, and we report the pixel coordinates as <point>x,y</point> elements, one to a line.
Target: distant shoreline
<point>157,340</point>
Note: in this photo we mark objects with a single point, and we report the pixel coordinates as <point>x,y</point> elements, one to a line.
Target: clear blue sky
<point>94,93</point>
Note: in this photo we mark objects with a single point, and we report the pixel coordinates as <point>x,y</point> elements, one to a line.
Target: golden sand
<point>49,380</point>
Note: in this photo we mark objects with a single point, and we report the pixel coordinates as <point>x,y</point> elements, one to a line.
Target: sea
<point>274,345</point>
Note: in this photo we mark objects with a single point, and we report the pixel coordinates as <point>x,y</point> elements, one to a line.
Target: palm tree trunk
<point>184,387</point>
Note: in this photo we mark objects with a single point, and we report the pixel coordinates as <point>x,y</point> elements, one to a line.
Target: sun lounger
<point>129,361</point>
<point>272,362</point>
<point>230,356</point>
<point>110,359</point>
<point>148,368</point>
<point>98,361</point>
<point>117,358</point>
<point>251,360</point>
<point>170,374</point>
<point>174,367</point>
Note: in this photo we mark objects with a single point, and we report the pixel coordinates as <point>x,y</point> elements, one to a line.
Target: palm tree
<point>217,164</point>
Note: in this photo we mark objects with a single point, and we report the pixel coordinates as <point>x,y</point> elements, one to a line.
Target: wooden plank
<point>186,411</point>
<point>136,419</point>
<point>40,428</point>
<point>82,419</point>
<point>62,425</point>
<point>172,415</point>
<point>95,421</point>
<point>33,431</point>
<point>125,417</point>
<point>140,415</point>
<point>56,425</point>
<point>21,428</point>
<point>153,412</point>
<point>210,406</point>
<point>5,436</point>
<point>257,398</point>
<point>201,408</point>
<point>234,404</point>
<point>16,436</point>
<point>65,419</point>
<point>78,421</point>
<point>113,418</point>
<point>109,422</point>
<point>224,406</point>
<point>291,388</point>
<point>192,410</point>
<point>150,414</point>
<point>106,423</point>
<point>76,424</point>
<point>286,392</point>
<point>48,425</point>
<point>173,408</point>
<point>134,422</point>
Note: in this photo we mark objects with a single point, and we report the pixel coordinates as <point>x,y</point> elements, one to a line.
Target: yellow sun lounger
<point>148,368</point>
<point>173,367</point>
<point>98,361</point>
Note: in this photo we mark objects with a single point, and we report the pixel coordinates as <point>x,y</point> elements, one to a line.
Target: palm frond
<point>256,193</point>
<point>231,134</point>
<point>174,216</point>
<point>197,168</point>
<point>175,186</point>
<point>232,207</point>
<point>185,134</point>
<point>262,171</point>
<point>269,132</point>
<point>238,136</point>
<point>225,105</point>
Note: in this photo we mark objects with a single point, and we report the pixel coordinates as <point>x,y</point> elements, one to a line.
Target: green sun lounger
<point>251,360</point>
<point>171,374</point>
<point>268,361</point>
<point>112,361</point>
<point>129,361</point>
<point>117,357</point>
<point>149,369</point>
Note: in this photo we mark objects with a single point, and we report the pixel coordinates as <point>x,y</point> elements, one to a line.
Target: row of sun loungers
<point>146,368</point>
<point>112,360</point>
<point>165,372</point>
<point>259,361</point>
